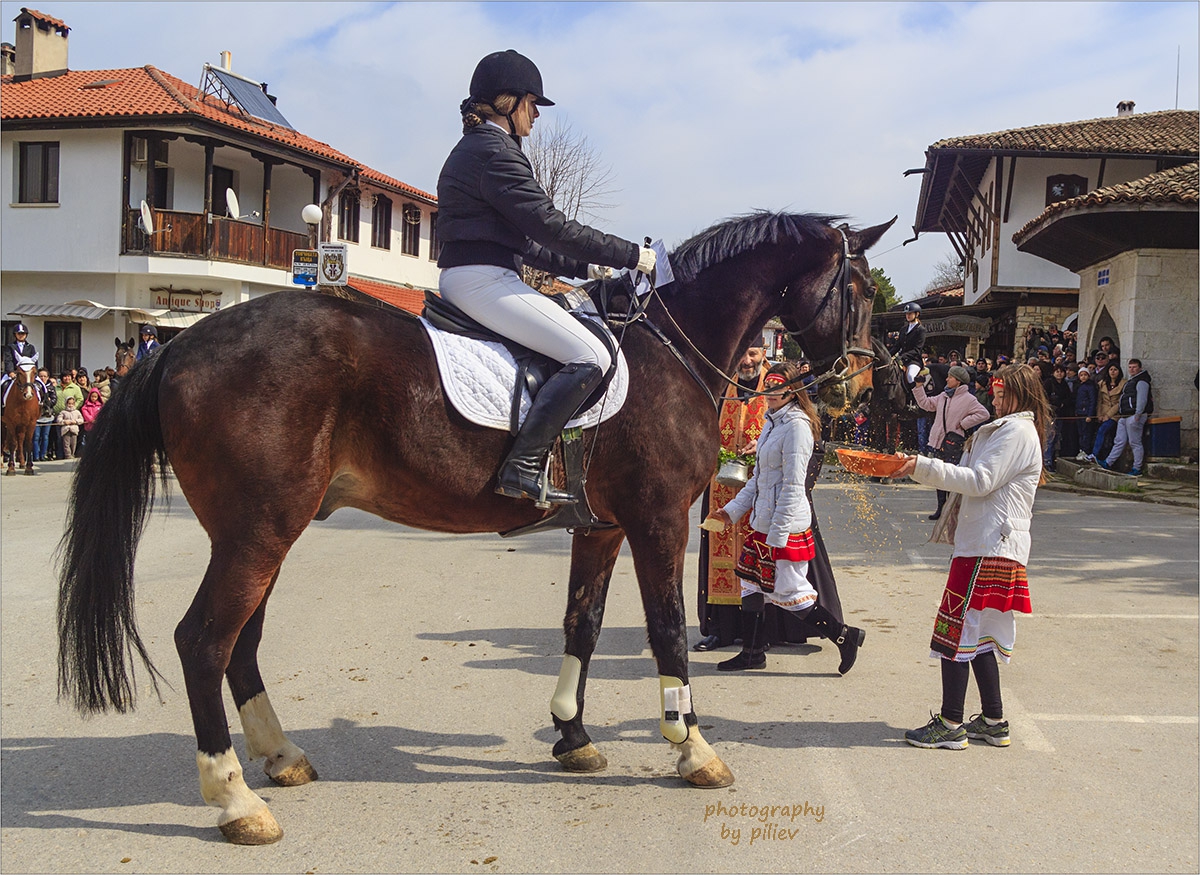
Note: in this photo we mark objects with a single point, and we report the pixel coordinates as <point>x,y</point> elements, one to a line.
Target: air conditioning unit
<point>141,150</point>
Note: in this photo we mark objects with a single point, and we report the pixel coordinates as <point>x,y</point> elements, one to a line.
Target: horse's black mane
<point>742,233</point>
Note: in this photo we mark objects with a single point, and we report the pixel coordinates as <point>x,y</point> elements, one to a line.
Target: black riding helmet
<point>507,71</point>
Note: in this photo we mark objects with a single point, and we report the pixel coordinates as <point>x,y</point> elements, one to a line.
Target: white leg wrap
<point>264,735</point>
<point>676,699</point>
<point>565,704</point>
<point>221,784</point>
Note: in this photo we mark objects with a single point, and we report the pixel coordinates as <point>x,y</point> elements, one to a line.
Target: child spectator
<point>1086,400</point>
<point>69,422</point>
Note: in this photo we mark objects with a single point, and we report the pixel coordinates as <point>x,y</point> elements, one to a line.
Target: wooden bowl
<point>869,464</point>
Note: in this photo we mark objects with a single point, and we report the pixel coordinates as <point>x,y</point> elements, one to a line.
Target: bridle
<point>841,373</point>
<point>836,369</point>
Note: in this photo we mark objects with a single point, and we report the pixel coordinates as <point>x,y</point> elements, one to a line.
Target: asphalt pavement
<point>416,670</point>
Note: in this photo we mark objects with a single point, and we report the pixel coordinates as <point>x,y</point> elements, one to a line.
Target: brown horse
<point>19,420</point>
<point>126,356</point>
<point>437,472</point>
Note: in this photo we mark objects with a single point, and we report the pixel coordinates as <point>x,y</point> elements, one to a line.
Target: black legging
<point>954,687</point>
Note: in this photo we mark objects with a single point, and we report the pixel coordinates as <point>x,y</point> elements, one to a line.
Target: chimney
<point>8,59</point>
<point>41,48</point>
<point>1125,107</point>
<point>227,61</point>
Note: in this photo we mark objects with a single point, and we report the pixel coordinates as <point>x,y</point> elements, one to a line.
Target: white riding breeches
<point>496,297</point>
<point>793,592</point>
<point>911,372</point>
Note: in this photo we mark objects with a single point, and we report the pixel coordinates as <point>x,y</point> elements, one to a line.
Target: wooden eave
<point>941,166</point>
<point>204,127</point>
<point>1080,236</point>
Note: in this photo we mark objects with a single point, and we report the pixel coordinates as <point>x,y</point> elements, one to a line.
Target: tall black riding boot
<point>847,638</point>
<point>521,473</point>
<point>754,649</point>
<point>942,495</point>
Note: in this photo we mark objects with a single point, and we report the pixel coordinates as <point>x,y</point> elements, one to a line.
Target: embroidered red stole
<point>741,423</point>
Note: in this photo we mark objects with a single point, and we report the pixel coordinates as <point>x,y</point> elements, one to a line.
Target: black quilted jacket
<point>491,210</point>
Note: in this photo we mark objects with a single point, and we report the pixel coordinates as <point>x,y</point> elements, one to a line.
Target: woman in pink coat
<point>955,411</point>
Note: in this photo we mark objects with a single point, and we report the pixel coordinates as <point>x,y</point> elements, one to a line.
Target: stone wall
<point>1153,297</point>
<point>1040,316</point>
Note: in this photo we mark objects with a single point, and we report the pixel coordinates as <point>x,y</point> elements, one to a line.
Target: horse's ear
<point>118,342</point>
<point>861,241</point>
<point>133,340</point>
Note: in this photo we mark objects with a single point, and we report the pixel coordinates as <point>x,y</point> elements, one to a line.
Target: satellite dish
<point>147,218</point>
<point>231,204</point>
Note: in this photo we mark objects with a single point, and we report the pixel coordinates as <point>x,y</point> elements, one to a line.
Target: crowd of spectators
<point>69,407</point>
<point>1084,389</point>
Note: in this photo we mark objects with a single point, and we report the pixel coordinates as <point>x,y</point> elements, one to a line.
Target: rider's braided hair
<point>475,111</point>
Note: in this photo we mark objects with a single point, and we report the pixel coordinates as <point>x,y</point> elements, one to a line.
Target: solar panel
<point>250,97</point>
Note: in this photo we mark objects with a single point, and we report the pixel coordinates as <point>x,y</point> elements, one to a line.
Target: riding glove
<point>646,259</point>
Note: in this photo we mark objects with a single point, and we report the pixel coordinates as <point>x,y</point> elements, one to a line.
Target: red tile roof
<point>1179,185</point>
<point>404,297</point>
<point>142,93</point>
<point>1170,132</point>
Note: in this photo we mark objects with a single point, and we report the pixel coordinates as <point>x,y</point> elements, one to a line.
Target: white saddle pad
<point>478,376</point>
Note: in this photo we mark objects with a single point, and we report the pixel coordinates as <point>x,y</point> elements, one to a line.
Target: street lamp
<point>312,216</point>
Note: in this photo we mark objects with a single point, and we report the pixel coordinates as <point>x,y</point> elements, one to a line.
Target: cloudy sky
<point>702,110</point>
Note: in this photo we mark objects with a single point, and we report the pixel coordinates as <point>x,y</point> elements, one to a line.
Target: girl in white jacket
<point>987,585</point>
<point>773,565</point>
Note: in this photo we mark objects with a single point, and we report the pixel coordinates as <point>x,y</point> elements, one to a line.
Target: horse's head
<point>829,312</point>
<point>126,355</point>
<point>25,373</point>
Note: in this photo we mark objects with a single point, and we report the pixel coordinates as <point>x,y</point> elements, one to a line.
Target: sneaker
<point>980,730</point>
<point>936,733</point>
<point>1081,457</point>
<point>1135,472</point>
<point>1088,457</point>
<point>1103,464</point>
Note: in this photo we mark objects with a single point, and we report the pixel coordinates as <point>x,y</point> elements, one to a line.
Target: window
<point>62,347</point>
<point>381,223</point>
<point>1064,186</point>
<point>410,234</point>
<point>1102,276</point>
<point>38,181</point>
<point>348,216</point>
<point>435,248</point>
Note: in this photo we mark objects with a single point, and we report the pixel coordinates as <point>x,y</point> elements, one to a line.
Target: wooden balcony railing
<point>180,233</point>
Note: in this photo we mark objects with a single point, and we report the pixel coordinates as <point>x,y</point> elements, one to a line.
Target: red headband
<point>997,383</point>
<point>774,379</point>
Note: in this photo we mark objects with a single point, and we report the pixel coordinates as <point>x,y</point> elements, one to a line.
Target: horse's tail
<point>110,498</point>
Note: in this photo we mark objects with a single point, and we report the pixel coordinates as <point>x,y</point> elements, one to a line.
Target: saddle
<point>533,370</point>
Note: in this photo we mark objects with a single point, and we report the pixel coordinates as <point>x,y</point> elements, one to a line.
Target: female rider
<point>493,217</point>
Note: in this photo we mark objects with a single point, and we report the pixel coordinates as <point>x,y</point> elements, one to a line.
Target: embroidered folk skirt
<point>978,607</point>
<point>779,573</point>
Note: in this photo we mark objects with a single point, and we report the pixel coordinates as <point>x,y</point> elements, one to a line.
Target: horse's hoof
<point>583,759</point>
<point>299,772</point>
<point>253,829</point>
<point>713,775</point>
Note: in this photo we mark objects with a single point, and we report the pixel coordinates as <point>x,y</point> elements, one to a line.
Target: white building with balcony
<point>82,151</point>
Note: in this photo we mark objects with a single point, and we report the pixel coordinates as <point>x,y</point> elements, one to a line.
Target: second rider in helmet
<point>494,217</point>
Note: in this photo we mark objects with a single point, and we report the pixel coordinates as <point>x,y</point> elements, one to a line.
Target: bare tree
<point>947,271</point>
<point>572,174</point>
